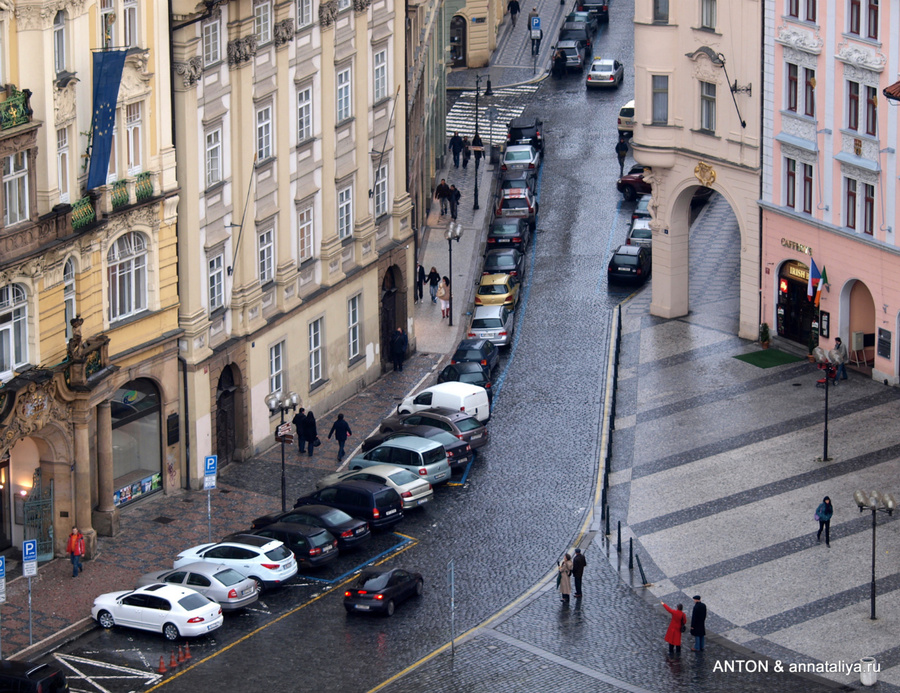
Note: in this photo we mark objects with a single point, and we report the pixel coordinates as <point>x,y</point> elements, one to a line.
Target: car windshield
<point>627,260</point>
<point>471,378</point>
<point>372,582</point>
<point>194,601</point>
<point>486,323</point>
<point>518,155</point>
<point>514,184</point>
<point>492,290</point>
<point>336,517</point>
<point>229,577</point>
<point>467,355</point>
<point>505,230</point>
<point>402,477</point>
<point>434,456</point>
<point>467,424</point>
<point>640,233</point>
<point>279,553</point>
<point>514,203</point>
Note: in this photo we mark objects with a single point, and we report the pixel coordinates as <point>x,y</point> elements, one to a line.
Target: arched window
<point>13,329</point>
<point>127,273</point>
<point>69,295</point>
<point>59,42</point>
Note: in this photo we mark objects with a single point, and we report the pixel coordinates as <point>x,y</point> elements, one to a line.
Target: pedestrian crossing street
<point>509,102</point>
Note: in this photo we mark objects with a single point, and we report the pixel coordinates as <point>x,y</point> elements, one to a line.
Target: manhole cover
<point>163,520</point>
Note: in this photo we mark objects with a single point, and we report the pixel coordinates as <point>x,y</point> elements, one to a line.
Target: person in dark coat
<point>559,64</point>
<point>399,343</point>
<point>420,282</point>
<point>513,8</point>
<point>433,279</point>
<point>824,513</point>
<point>698,624</point>
<point>476,142</point>
<point>442,193</point>
<point>310,433</point>
<point>578,565</point>
<point>673,634</point>
<point>621,152</point>
<point>467,153</point>
<point>456,147</point>
<point>341,431</point>
<point>299,421</point>
<point>455,194</point>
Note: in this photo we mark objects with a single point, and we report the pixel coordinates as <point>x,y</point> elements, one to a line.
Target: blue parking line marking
<point>403,542</point>
<point>465,475</point>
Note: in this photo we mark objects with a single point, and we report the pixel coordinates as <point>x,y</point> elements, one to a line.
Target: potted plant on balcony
<point>764,335</point>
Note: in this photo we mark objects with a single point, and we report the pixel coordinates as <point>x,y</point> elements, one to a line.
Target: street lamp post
<point>453,232</point>
<point>477,146</point>
<point>874,501</point>
<point>278,402</point>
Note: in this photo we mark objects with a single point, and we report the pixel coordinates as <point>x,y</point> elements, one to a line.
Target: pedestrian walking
<point>442,193</point>
<point>578,565</point>
<point>621,152</point>
<point>310,433</point>
<point>433,279</point>
<point>823,517</point>
<point>676,627</point>
<point>399,344</point>
<point>564,585</point>
<point>698,624</point>
<point>559,64</point>
<point>536,36</point>
<point>341,431</point>
<point>443,294</point>
<point>75,549</point>
<point>299,421</point>
<point>454,201</point>
<point>467,151</point>
<point>456,147</point>
<point>513,8</point>
<point>420,283</point>
<point>478,146</point>
<point>840,357</point>
<point>532,15</point>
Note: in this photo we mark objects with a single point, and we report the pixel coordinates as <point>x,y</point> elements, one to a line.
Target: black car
<point>592,21</point>
<point>504,261</point>
<point>458,451</point>
<point>311,546</point>
<point>381,506</point>
<point>518,179</point>
<point>599,8</point>
<point>482,351</point>
<point>509,233</point>
<point>526,130</point>
<point>470,373</point>
<point>577,31</point>
<point>381,590</point>
<point>348,531</point>
<point>32,677</point>
<point>630,263</point>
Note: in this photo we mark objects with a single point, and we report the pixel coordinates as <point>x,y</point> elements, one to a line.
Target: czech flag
<point>814,279</point>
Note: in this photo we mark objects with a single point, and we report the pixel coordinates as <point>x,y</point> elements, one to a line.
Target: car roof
<point>247,540</point>
<point>446,412</point>
<point>204,567</point>
<point>164,589</point>
<point>566,44</point>
<point>603,61</point>
<point>502,251</point>
<point>519,147</point>
<point>310,510</point>
<point>488,311</point>
<point>362,485</point>
<point>522,122</point>
<point>412,443</point>
<point>628,250</point>
<point>642,223</point>
<point>12,667</point>
<point>498,278</point>
<point>463,367</point>
<point>472,344</point>
<point>384,469</point>
<point>294,527</point>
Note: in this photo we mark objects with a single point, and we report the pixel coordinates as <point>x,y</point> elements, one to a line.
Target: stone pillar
<point>83,488</point>
<point>106,517</point>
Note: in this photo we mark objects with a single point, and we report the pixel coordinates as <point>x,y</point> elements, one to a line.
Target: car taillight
<point>379,596</point>
<point>627,241</point>
<point>639,270</point>
<point>450,454</point>
<point>537,134</point>
<point>376,513</point>
<point>513,273</point>
<point>609,269</point>
<point>315,552</point>
<point>347,534</point>
<point>423,471</point>
<point>477,301</point>
<point>502,334</point>
<point>530,165</point>
<point>196,619</point>
<point>499,211</point>
<point>271,566</point>
<point>491,240</point>
<point>406,494</point>
<point>468,448</point>
<point>334,544</point>
<point>232,594</point>
<point>483,362</point>
<point>348,593</point>
<point>430,487</point>
<point>503,167</point>
<point>460,436</point>
<point>517,240</point>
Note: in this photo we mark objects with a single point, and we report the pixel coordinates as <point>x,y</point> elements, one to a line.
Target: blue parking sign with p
<point>29,550</point>
<point>211,464</point>
<point>2,567</point>
<point>535,23</point>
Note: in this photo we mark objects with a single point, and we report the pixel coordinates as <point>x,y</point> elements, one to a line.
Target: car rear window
<point>486,323</point>
<point>514,203</point>
<point>192,602</point>
<point>641,233</point>
<point>472,378</point>
<point>505,230</point>
<point>229,577</point>
<point>627,113</point>
<point>627,260</point>
<point>468,424</point>
<point>492,290</point>
<point>372,581</point>
<point>434,456</point>
<point>467,355</point>
<point>518,155</point>
<point>404,476</point>
<point>387,498</point>
<point>321,539</point>
<point>279,553</point>
<point>335,517</point>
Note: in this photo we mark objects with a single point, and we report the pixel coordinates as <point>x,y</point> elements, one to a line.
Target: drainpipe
<point>762,81</point>
<point>185,427</point>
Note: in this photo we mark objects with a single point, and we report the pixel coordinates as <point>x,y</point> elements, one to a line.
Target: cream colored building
<point>697,106</point>
<point>84,407</point>
<point>294,237</point>
<point>473,30</point>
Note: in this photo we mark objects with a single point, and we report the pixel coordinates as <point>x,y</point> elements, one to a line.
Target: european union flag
<point>108,66</point>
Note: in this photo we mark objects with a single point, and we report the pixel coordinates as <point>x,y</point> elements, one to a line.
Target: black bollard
<point>607,523</point>
<point>631,553</point>
<point>619,540</point>
<point>641,568</point>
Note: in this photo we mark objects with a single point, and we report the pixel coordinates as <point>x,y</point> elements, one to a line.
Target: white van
<point>626,121</point>
<point>471,399</point>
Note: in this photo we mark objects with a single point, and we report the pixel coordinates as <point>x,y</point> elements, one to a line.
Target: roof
<point>892,92</point>
<point>628,250</point>
<point>521,122</point>
<point>498,278</point>
<point>488,311</point>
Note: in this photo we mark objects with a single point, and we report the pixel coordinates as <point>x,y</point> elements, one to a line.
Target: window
<point>343,5</point>
<point>850,202</point>
<point>871,110</point>
<point>305,231</point>
<point>216,282</point>
<point>107,19</point>
<point>212,42</point>
<point>266,245</point>
<point>811,10</point>
<point>793,8</point>
<point>262,21</point>
<point>315,351</point>
<point>660,10</point>
<point>62,163</point>
<point>810,91</point>
<point>807,188</point>
<point>792,71</point>
<point>304,114</point>
<point>708,106</point>
<point>213,157</point>
<point>660,84</point>
<point>708,14</point>
<point>304,13</point>
<point>380,74</point>
<point>790,182</point>
<point>868,209</point>
<point>127,274</point>
<point>69,295</point>
<point>853,19</point>
<point>129,10</point>
<point>872,19</point>
<point>13,329</point>
<point>276,367</point>
<point>264,133</point>
<point>16,197</point>
<point>381,191</point>
<point>353,327</point>
<point>133,137</point>
<point>345,212</point>
<point>343,95</point>
<point>853,105</point>
<point>59,42</point>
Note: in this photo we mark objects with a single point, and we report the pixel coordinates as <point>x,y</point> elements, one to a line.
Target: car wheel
<point>389,608</point>
<point>629,193</point>
<point>170,631</point>
<point>403,411</point>
<point>258,584</point>
<point>105,619</point>
<point>420,587</point>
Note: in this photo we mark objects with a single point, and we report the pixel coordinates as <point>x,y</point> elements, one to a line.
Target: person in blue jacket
<point>823,515</point>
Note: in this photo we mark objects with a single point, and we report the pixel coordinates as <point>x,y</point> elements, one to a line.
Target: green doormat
<point>767,358</point>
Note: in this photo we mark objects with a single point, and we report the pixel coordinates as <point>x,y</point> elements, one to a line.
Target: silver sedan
<point>605,72</point>
<point>413,490</point>
<point>520,156</point>
<point>216,582</point>
<point>494,323</point>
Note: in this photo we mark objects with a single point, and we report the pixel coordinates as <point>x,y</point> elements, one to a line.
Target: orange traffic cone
<point>187,651</point>
<point>173,663</point>
<point>162,665</point>
<point>180,654</point>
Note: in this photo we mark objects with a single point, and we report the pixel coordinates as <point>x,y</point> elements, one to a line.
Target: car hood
<point>111,597</point>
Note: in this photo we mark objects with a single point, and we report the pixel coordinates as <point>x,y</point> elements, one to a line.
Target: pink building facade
<point>830,177</point>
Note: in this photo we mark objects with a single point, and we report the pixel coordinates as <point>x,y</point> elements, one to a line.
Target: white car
<point>265,560</point>
<point>414,491</point>
<point>168,609</point>
<point>495,323</point>
<point>639,233</point>
<point>519,157</point>
<point>605,72</point>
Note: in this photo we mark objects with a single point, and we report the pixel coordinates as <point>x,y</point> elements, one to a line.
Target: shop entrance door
<point>796,312</point>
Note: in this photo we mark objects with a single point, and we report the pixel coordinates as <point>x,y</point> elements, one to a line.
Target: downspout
<point>406,134</point>
<point>762,101</point>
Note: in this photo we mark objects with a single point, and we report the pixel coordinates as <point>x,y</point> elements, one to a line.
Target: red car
<point>632,184</point>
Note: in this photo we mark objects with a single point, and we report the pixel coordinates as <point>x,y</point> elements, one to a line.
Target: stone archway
<point>858,321</point>
<point>391,305</point>
<point>226,418</point>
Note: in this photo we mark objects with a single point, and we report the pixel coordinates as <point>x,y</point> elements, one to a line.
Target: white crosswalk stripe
<point>509,102</point>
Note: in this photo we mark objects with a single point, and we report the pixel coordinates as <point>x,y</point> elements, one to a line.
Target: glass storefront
<point>796,314</point>
<point>136,441</point>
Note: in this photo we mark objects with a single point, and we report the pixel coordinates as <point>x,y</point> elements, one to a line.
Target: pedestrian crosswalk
<point>509,102</point>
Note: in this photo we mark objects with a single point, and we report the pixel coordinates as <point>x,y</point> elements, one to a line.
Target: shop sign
<point>797,271</point>
<point>884,343</point>
<point>793,245</point>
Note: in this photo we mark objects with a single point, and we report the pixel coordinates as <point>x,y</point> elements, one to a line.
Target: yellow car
<point>497,290</point>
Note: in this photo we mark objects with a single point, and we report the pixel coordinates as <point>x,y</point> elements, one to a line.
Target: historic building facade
<point>88,291</point>
<point>294,238</point>
<point>697,106</point>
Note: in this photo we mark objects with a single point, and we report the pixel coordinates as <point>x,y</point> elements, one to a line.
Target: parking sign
<point>29,550</point>
<point>535,23</point>
<point>211,463</point>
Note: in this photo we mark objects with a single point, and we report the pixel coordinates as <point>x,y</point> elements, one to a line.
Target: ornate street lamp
<point>276,402</point>
<point>874,501</point>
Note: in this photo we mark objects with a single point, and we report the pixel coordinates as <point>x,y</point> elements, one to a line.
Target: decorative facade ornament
<point>64,104</point>
<point>705,173</point>
<point>328,13</point>
<point>863,175</point>
<point>854,55</point>
<point>862,75</point>
<point>863,147</point>
<point>801,40</point>
<point>804,128</point>
<point>40,16</point>
<point>135,77</point>
<point>16,110</point>
<point>706,70</point>
<point>799,57</point>
<point>284,32</point>
<point>190,71</point>
<point>361,5</point>
<point>241,50</point>
<point>804,156</point>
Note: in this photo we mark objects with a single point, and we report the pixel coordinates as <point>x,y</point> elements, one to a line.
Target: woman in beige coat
<point>565,571</point>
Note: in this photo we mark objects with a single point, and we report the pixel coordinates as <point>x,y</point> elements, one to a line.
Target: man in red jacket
<point>75,549</point>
